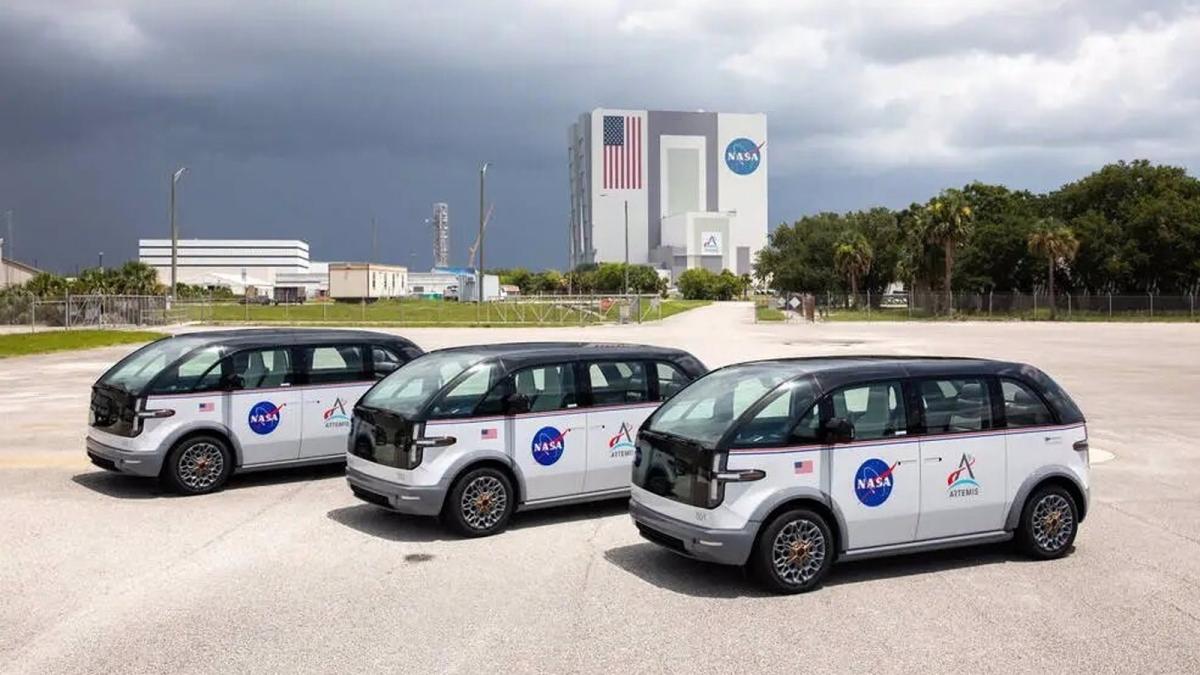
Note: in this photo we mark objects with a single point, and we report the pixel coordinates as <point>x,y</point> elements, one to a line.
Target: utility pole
<point>626,247</point>
<point>174,230</point>
<point>8,243</point>
<point>101,261</point>
<point>482,217</point>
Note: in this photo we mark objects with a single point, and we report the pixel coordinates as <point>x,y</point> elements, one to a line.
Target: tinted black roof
<point>900,366</point>
<point>517,354</point>
<point>252,337</point>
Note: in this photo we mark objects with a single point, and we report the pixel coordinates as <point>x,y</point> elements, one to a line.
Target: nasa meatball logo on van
<point>743,156</point>
<point>873,482</point>
<point>548,445</point>
<point>264,417</point>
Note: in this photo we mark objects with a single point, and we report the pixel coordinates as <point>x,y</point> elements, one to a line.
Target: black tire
<point>198,465</point>
<point>480,503</point>
<point>812,551</point>
<point>1049,523</point>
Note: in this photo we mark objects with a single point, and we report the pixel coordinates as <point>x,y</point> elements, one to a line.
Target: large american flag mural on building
<point>622,152</point>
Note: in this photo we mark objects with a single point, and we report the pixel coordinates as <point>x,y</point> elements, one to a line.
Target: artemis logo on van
<point>548,445</point>
<point>621,445</point>
<point>960,485</point>
<point>336,417</point>
<point>873,482</point>
<point>264,417</point>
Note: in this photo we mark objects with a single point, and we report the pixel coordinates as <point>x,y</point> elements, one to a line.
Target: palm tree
<point>947,220</point>
<point>137,278</point>
<point>852,257</point>
<point>1057,244</point>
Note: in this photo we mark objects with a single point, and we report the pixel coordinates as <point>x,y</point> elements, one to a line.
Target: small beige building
<point>370,281</point>
<point>13,273</point>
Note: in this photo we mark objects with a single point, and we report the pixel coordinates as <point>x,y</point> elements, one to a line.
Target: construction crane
<point>487,218</point>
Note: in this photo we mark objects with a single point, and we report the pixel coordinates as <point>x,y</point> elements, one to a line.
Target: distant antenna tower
<point>441,235</point>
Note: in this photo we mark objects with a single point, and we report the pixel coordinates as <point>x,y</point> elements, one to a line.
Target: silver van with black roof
<point>196,407</point>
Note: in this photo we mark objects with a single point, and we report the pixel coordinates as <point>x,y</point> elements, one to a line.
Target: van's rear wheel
<point>198,465</point>
<point>794,552</point>
<point>1049,523</point>
<point>480,503</point>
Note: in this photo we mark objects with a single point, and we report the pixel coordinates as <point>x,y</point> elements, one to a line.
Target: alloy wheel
<point>1053,522</point>
<point>798,552</point>
<point>201,466</point>
<point>484,502</point>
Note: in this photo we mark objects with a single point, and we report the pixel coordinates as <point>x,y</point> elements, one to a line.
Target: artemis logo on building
<point>743,156</point>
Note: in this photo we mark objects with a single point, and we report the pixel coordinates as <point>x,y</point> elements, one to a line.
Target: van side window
<point>617,382</point>
<point>262,368</point>
<point>876,410</point>
<point>334,364</point>
<point>195,373</point>
<point>384,361</point>
<point>1022,407</point>
<point>771,425</point>
<point>461,398</point>
<point>670,379</point>
<point>955,405</point>
<point>547,387</point>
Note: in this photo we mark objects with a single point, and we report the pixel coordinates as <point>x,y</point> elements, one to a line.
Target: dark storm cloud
<point>308,120</point>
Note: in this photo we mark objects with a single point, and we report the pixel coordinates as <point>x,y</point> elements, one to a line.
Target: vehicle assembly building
<point>691,185</point>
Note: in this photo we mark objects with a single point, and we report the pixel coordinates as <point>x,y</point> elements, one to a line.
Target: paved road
<point>286,571</point>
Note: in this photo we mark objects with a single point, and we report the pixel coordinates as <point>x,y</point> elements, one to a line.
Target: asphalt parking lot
<point>286,571</point>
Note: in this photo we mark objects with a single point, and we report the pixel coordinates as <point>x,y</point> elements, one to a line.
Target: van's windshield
<point>409,389</point>
<point>135,371</point>
<point>704,410</point>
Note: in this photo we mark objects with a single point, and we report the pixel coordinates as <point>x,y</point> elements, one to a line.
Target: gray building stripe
<point>674,123</point>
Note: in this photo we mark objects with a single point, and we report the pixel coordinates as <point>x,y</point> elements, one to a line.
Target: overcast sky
<point>305,119</point>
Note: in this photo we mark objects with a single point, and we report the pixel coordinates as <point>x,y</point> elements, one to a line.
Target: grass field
<point>21,344</point>
<point>424,313</point>
<point>764,313</point>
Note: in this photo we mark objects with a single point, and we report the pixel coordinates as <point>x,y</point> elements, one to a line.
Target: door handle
<point>931,460</point>
<point>1052,440</point>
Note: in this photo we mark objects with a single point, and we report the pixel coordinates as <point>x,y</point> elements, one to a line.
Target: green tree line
<point>1131,227</point>
<point>132,278</point>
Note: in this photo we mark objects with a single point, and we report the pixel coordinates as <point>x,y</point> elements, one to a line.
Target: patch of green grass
<point>21,344</point>
<point>766,313</point>
<point>420,313</point>
<point>673,307</point>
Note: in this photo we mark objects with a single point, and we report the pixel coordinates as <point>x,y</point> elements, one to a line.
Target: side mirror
<point>837,430</point>
<point>517,403</point>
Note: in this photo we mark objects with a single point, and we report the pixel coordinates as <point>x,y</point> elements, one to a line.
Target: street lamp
<point>174,229</point>
<point>482,176</point>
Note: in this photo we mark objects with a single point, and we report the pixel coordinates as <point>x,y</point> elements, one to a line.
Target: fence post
<point>1035,305</point>
<point>1192,305</point>
<point>1110,304</point>
<point>32,314</point>
<point>1068,305</point>
<point>990,291</point>
<point>1151,303</point>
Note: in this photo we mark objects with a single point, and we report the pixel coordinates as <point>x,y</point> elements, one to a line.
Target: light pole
<point>8,242</point>
<point>626,247</point>
<point>482,176</point>
<point>101,261</point>
<point>174,229</point>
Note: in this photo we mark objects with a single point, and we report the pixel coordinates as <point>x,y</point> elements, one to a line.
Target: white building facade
<point>694,185</point>
<point>238,264</point>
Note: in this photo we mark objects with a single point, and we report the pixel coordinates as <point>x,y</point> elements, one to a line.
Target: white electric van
<point>789,465</point>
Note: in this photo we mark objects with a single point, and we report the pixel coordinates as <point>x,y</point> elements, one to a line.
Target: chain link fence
<point>83,311</point>
<point>1027,306</point>
<point>78,311</point>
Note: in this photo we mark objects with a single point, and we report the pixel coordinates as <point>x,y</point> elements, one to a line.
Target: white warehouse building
<point>694,185</point>
<point>234,263</point>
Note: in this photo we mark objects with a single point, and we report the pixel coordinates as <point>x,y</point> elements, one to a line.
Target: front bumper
<point>727,547</point>
<point>418,501</point>
<point>124,461</point>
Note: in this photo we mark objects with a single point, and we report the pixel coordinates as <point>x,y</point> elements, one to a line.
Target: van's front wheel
<point>794,552</point>
<point>480,503</point>
<point>198,465</point>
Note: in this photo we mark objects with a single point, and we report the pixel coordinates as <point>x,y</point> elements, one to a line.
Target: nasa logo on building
<point>743,156</point>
